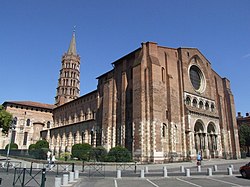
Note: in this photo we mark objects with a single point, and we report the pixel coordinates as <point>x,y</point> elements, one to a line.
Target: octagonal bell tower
<point>69,79</point>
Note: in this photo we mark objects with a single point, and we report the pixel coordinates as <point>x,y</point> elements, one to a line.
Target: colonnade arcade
<point>206,139</point>
<point>62,139</point>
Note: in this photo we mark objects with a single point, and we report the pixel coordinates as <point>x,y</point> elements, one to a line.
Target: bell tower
<point>68,87</point>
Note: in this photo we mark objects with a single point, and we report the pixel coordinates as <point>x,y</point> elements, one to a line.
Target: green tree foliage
<point>39,150</point>
<point>12,146</point>
<point>99,154</point>
<point>81,151</point>
<point>5,119</point>
<point>244,134</point>
<point>119,154</point>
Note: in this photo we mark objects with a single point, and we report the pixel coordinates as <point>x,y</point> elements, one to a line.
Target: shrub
<point>39,150</point>
<point>32,148</point>
<point>65,156</point>
<point>12,146</point>
<point>81,151</point>
<point>99,154</point>
<point>119,154</point>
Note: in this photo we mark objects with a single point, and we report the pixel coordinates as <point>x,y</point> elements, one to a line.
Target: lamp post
<point>12,126</point>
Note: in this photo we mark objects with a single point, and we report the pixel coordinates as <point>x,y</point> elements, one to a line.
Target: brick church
<point>157,101</point>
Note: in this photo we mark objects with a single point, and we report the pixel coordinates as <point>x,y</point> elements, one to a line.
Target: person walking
<point>199,158</point>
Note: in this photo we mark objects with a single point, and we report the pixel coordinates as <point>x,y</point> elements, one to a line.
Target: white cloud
<point>246,56</point>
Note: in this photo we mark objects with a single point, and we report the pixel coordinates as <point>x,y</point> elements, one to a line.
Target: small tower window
<point>28,122</point>
<point>207,106</point>
<point>48,124</point>
<point>194,103</point>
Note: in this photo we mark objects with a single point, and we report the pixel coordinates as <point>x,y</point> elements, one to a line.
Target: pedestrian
<point>53,159</point>
<point>199,158</point>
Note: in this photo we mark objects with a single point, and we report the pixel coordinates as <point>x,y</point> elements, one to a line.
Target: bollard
<point>43,177</point>
<point>65,179</point>
<point>187,172</point>
<point>229,171</point>
<point>142,173</point>
<point>209,172</point>
<point>182,169</point>
<point>199,168</point>
<point>232,166</point>
<point>71,176</point>
<point>83,166</point>
<point>0,181</point>
<point>146,169</point>
<point>118,175</point>
<point>135,166</point>
<point>58,182</point>
<point>76,174</point>
<point>215,168</point>
<point>165,171</point>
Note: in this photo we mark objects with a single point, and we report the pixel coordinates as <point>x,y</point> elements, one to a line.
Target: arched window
<point>188,101</point>
<point>48,124</point>
<point>74,139</point>
<point>207,106</point>
<point>163,74</point>
<point>25,138</point>
<point>212,107</point>
<point>28,122</point>
<point>164,130</point>
<point>200,104</point>
<point>83,137</point>
<point>194,103</point>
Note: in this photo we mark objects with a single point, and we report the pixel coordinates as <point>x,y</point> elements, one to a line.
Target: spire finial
<point>72,46</point>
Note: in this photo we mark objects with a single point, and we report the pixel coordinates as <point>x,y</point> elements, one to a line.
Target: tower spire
<point>69,79</point>
<point>72,46</point>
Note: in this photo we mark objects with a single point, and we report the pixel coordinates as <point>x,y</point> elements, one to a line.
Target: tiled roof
<point>31,103</point>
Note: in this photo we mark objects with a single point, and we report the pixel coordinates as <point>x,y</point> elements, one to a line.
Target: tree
<point>81,151</point>
<point>5,120</point>
<point>119,154</point>
<point>244,135</point>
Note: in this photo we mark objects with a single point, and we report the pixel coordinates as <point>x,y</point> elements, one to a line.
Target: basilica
<point>159,102</point>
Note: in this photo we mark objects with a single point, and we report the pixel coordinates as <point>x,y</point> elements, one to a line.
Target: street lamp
<point>12,126</point>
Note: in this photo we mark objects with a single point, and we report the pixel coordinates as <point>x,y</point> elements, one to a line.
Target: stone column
<point>207,147</point>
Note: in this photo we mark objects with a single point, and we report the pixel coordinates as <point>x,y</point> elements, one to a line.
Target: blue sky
<point>35,34</point>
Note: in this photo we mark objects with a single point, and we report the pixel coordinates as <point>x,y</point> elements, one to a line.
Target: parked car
<point>245,170</point>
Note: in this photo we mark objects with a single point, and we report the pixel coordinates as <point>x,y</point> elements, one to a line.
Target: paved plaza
<point>106,175</point>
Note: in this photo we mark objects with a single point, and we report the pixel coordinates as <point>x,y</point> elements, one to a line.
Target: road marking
<point>152,183</point>
<point>115,183</point>
<point>224,182</point>
<point>188,182</point>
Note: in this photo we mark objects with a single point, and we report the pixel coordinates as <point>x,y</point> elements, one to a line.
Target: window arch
<point>194,103</point>
<point>207,106</point>
<point>188,100</point>
<point>28,122</point>
<point>164,127</point>
<point>212,107</point>
<point>201,104</point>
<point>48,124</point>
<point>163,74</point>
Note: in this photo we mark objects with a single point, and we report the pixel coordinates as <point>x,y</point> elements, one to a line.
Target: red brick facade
<point>157,102</point>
